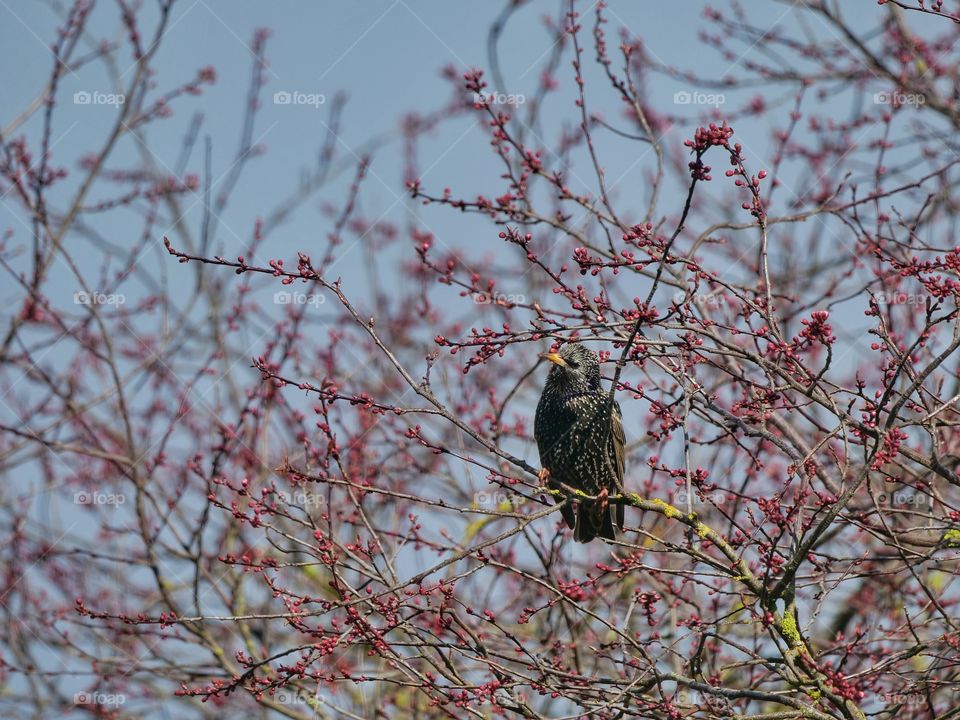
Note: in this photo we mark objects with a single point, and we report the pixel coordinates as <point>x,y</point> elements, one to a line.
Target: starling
<point>581,441</point>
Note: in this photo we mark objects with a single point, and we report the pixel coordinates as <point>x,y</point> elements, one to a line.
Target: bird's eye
<point>573,363</point>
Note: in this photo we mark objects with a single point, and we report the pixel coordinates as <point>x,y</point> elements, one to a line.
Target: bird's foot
<point>603,495</point>
<point>544,475</point>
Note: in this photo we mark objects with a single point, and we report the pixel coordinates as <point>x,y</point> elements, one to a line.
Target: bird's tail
<point>595,520</point>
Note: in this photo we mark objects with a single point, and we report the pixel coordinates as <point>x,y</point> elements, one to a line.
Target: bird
<point>580,438</point>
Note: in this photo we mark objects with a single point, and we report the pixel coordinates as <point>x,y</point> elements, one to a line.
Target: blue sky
<point>386,56</point>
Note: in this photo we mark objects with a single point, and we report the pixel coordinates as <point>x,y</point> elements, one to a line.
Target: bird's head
<point>575,369</point>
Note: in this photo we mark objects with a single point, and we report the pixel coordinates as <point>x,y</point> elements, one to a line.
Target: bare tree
<point>352,522</point>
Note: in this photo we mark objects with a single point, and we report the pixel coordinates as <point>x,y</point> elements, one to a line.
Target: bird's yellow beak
<point>555,359</point>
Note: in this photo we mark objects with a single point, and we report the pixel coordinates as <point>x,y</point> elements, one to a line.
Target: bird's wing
<point>619,461</point>
<point>546,442</point>
<point>619,444</point>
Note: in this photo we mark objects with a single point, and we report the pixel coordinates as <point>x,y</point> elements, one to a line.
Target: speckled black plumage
<point>581,442</point>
